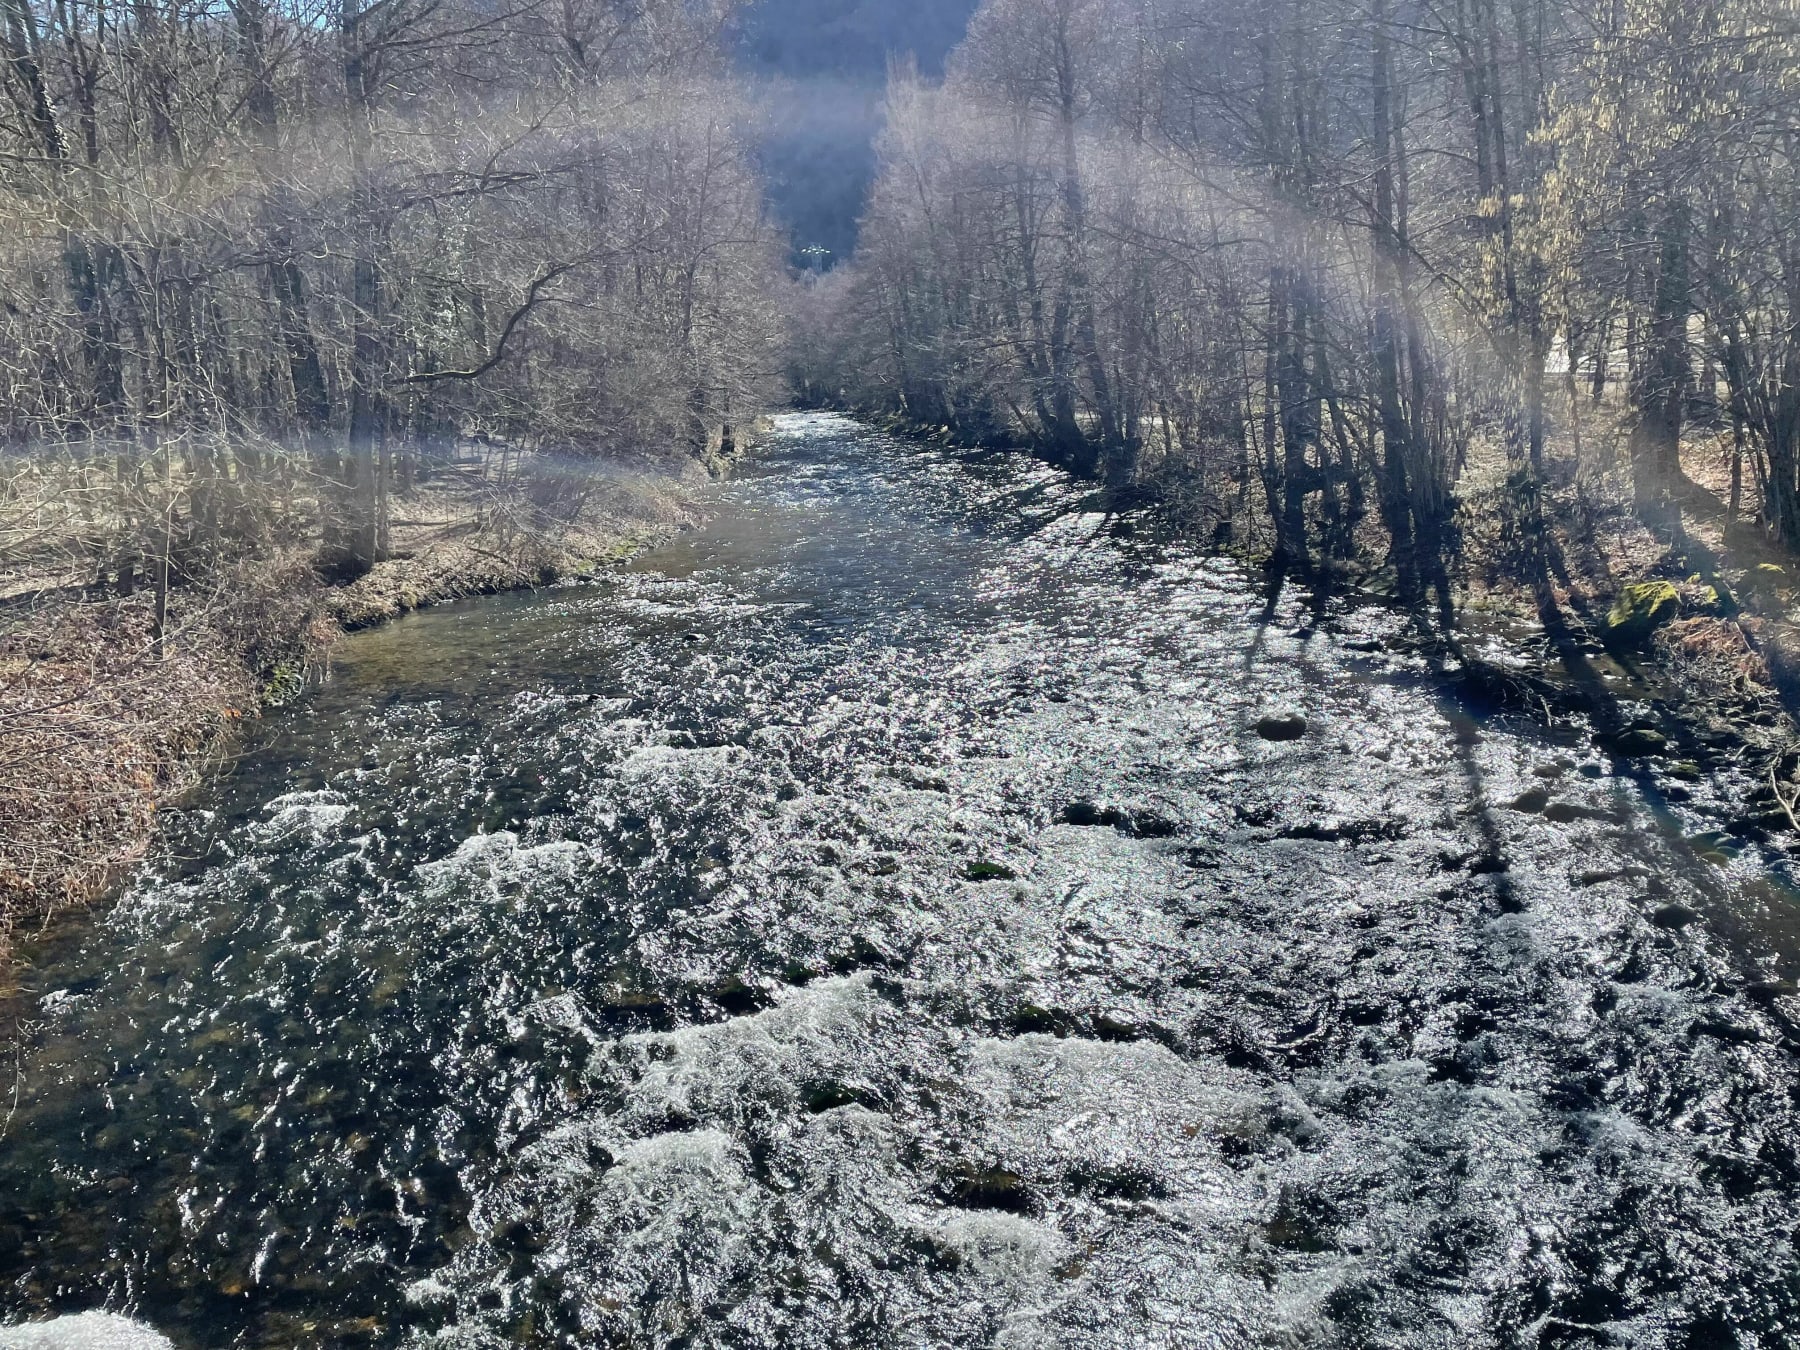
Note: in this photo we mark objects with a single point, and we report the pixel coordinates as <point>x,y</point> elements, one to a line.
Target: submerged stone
<point>1085,814</point>
<point>990,1188</point>
<point>1635,742</point>
<point>1714,846</point>
<point>1563,813</point>
<point>1137,824</point>
<point>1117,1024</point>
<point>1030,1019</point>
<point>829,1096</point>
<point>1531,801</point>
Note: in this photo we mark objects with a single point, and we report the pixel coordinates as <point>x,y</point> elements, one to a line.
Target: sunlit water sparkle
<point>873,920</point>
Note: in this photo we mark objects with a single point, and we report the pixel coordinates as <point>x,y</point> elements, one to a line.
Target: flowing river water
<point>874,920</point>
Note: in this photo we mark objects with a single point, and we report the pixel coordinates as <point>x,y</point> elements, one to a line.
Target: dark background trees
<point>819,67</point>
<point>1299,265</point>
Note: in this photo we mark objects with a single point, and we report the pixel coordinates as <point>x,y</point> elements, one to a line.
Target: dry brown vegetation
<point>100,729</point>
<point>311,314</point>
<point>107,714</point>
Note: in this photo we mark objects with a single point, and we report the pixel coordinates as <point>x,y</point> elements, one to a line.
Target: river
<point>875,920</point>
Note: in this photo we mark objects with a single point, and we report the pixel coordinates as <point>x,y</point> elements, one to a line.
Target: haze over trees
<point>1292,265</point>
<point>819,68</point>
<point>1298,261</point>
<point>260,252</point>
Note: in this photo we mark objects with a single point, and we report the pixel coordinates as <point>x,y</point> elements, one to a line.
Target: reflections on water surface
<point>873,920</point>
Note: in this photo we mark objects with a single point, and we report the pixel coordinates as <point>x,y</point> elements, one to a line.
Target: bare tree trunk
<point>1662,388</point>
<point>1396,496</point>
<point>365,541</point>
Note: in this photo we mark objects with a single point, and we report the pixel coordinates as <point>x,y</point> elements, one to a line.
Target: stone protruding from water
<point>1283,725</point>
<point>1532,801</point>
<point>1635,742</point>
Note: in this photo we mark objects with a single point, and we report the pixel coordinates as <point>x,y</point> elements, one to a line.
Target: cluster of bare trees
<point>1312,250</point>
<point>261,259</point>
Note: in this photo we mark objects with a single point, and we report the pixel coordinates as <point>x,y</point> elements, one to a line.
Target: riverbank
<point>1683,627</point>
<point>104,723</point>
<point>901,868</point>
<point>1674,644</point>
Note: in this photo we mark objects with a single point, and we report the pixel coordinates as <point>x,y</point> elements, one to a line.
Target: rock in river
<point>1637,741</point>
<point>1532,800</point>
<point>1284,725</point>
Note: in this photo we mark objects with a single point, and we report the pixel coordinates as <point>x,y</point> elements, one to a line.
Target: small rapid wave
<point>84,1331</point>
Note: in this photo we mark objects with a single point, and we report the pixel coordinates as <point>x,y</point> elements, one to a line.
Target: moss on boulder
<point>1641,608</point>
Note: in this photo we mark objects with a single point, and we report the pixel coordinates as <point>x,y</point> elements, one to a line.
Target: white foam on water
<point>318,812</point>
<point>84,1331</point>
<point>1000,1246</point>
<point>497,856</point>
<point>667,761</point>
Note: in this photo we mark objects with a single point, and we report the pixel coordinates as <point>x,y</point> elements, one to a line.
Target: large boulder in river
<point>1640,609</point>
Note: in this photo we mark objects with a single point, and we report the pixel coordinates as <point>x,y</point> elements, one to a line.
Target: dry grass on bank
<point>456,537</point>
<point>1730,653</point>
<point>98,730</point>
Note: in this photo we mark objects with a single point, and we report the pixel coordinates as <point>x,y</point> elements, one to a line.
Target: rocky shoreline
<point>1624,700</point>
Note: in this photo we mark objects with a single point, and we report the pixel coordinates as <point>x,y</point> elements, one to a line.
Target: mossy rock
<point>1641,608</point>
<point>1716,596</point>
<point>1767,578</point>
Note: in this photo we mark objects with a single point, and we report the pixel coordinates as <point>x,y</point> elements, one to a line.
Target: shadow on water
<point>871,919</point>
